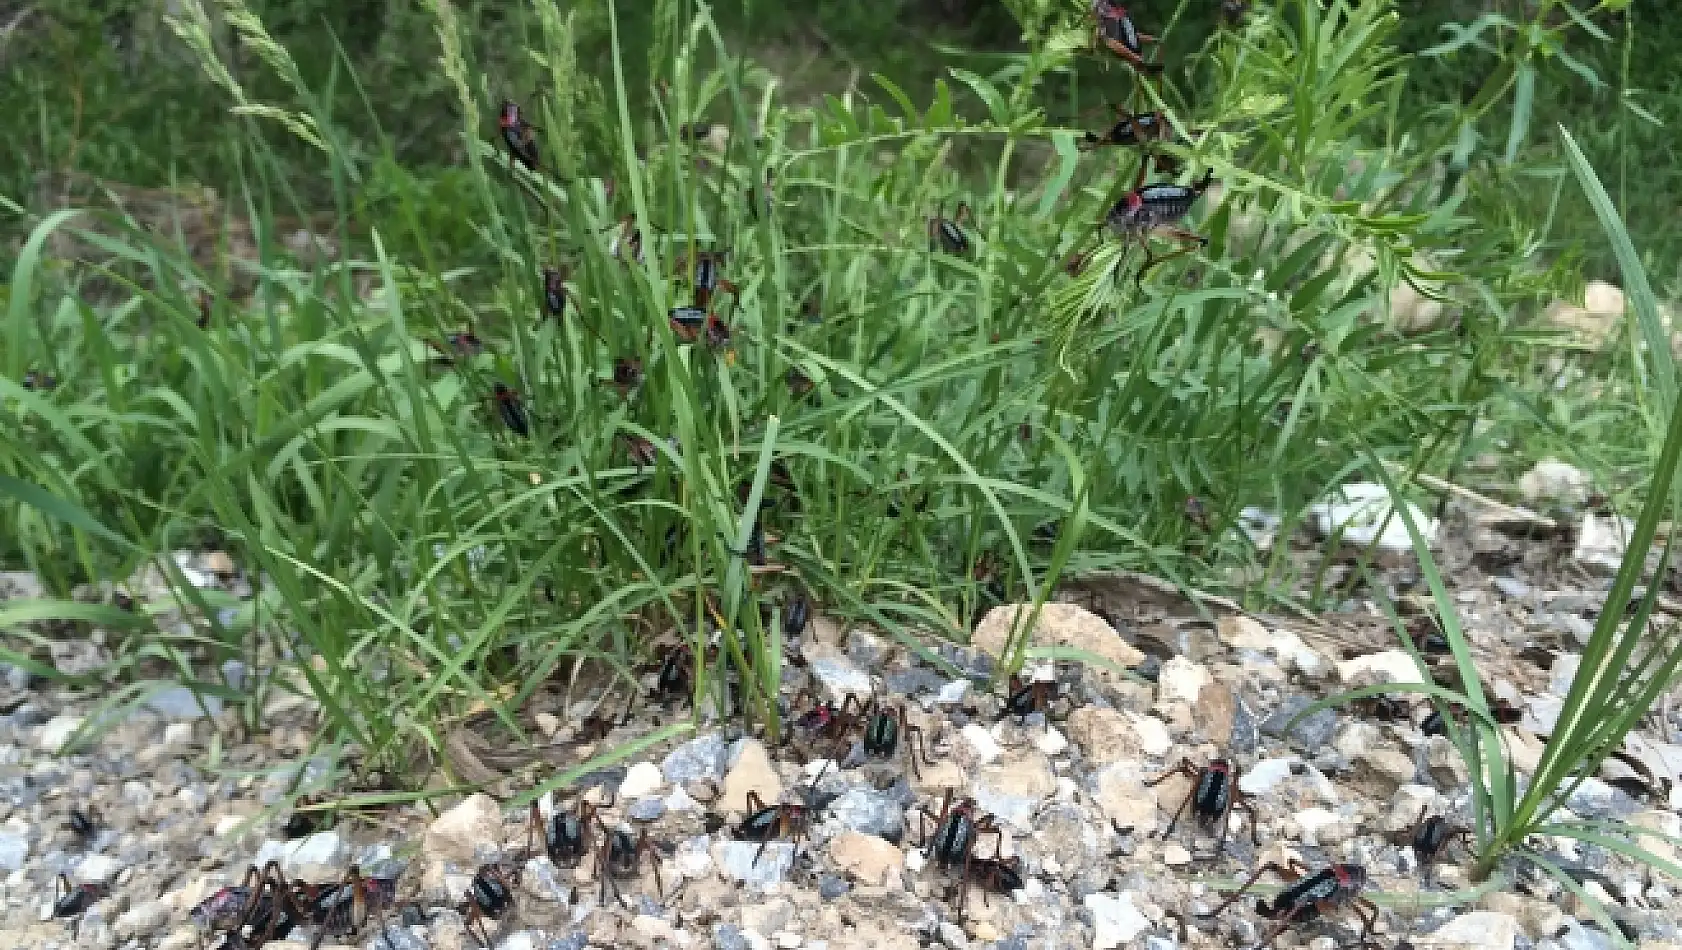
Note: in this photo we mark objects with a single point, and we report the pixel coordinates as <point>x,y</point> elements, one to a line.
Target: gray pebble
<point>870,812</point>
<point>178,702</point>
<point>394,937</point>
<point>701,757</point>
<point>14,851</point>
<point>831,887</point>
<point>647,809</point>
<point>576,940</point>
<point>1512,588</point>
<point>729,937</point>
<point>1312,733</point>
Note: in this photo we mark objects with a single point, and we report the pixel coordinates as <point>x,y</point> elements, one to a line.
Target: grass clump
<point>925,434</point>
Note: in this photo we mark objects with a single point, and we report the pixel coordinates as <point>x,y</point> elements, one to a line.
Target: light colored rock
<point>1446,766</point>
<point>1105,735</point>
<point>735,860</point>
<point>547,724</point>
<point>1125,798</point>
<point>465,832</point>
<point>641,780</point>
<point>1050,742</point>
<point>1551,480</point>
<point>1478,930</point>
<point>1115,921</point>
<point>1064,625</point>
<point>936,778</point>
<point>1388,666</point>
<point>1265,776</point>
<point>836,673</point>
<point>178,735</point>
<point>1602,541</point>
<point>1359,510</point>
<point>977,746</point>
<point>1524,750</point>
<point>143,919</point>
<point>57,732</point>
<point>318,858</point>
<point>1664,823</point>
<point>866,857</point>
<point>1214,713</point>
<point>1407,804</point>
<point>1322,827</point>
<point>1181,680</point>
<point>14,851</point>
<point>1595,321</point>
<point>1014,788</point>
<point>1539,919</point>
<point>1175,855</point>
<point>97,869</point>
<point>1385,769</point>
<point>651,929</point>
<point>1154,740</point>
<point>752,772</point>
<point>1412,311</point>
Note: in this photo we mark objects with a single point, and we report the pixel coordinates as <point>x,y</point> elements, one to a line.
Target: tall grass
<point>974,418</point>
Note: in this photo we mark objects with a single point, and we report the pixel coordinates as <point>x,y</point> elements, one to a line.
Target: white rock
<point>178,735</point>
<point>984,749</point>
<point>751,772</point>
<point>1154,740</point>
<point>14,851</point>
<point>1478,930</point>
<point>143,919</point>
<point>952,693</point>
<point>1389,666</point>
<point>652,928</point>
<point>1263,777</point>
<point>317,858</point>
<point>1362,508</point>
<point>1115,921</point>
<point>642,779</point>
<point>1181,680</point>
<point>1407,804</point>
<point>1551,480</point>
<point>57,732</point>
<point>735,859</point>
<point>1601,542</point>
<point>1175,855</point>
<point>680,800</point>
<point>461,834</point>
<point>97,869</point>
<point>836,673</point>
<point>228,824</point>
<point>1321,827</point>
<point>1050,742</point>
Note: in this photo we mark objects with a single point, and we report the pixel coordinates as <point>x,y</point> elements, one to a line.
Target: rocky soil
<point>185,802</point>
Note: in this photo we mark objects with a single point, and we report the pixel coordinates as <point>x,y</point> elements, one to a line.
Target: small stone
<point>1601,542</point>
<point>751,772</point>
<point>702,757</point>
<point>97,869</point>
<point>1050,742</point>
<point>867,857</point>
<point>729,937</point>
<point>547,724</point>
<point>1322,828</point>
<point>1115,921</point>
<point>1065,625</point>
<point>1263,777</point>
<point>982,747</point>
<point>57,732</point>
<point>1539,919</point>
<point>463,833</point>
<point>642,779</point>
<point>1181,680</point>
<point>1124,797</point>
<point>646,809</point>
<point>836,673</point>
<point>178,734</point>
<point>1553,482</point>
<point>1512,588</point>
<point>953,936</point>
<point>786,940</point>
<point>179,702</point>
<point>1215,714</point>
<point>143,919</point>
<point>986,932</point>
<point>652,928</point>
<point>1361,514</point>
<point>1312,732</point>
<point>1478,930</point>
<point>1388,666</point>
<point>1154,740</point>
<point>14,851</point>
<point>831,887</point>
<point>1013,789</point>
<point>952,693</point>
<point>870,812</point>
<point>1176,856</point>
<point>735,860</point>
<point>317,858</point>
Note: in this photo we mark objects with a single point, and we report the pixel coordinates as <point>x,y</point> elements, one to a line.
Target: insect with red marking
<point>1213,795</point>
<point>767,823</point>
<point>958,831</point>
<point>519,135</point>
<point>1116,31</point>
<point>707,275</point>
<point>1310,896</point>
<point>1135,130</point>
<point>947,234</point>
<point>511,410</point>
<point>1153,209</point>
<point>73,900</point>
<point>627,375</point>
<point>695,323</point>
<point>461,345</point>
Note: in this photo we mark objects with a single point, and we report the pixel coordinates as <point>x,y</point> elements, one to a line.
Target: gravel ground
<point>184,804</point>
